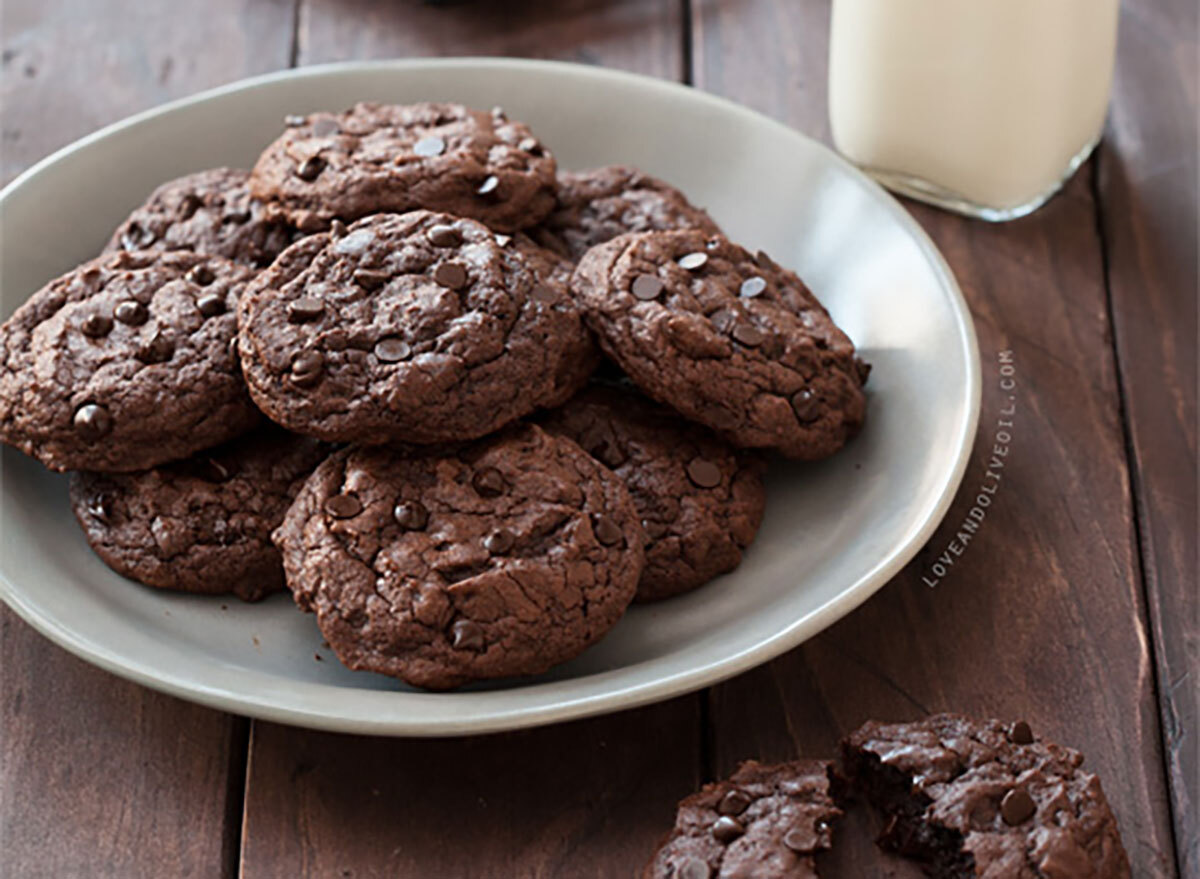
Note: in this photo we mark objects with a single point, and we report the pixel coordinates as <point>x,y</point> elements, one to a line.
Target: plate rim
<point>531,715</point>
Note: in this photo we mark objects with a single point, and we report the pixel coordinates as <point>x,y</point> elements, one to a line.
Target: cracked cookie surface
<point>504,559</point>
<point>595,206</point>
<point>418,328</point>
<point>763,821</point>
<point>206,212</point>
<point>981,798</point>
<point>700,501</point>
<point>200,525</point>
<point>728,339</point>
<point>377,158</point>
<point>126,362</point>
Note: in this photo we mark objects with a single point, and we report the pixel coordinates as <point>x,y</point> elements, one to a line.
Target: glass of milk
<point>985,107</point>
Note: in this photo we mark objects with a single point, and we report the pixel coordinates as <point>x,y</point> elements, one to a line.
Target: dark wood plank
<point>642,35</point>
<point>1148,192</point>
<point>1042,617</point>
<point>101,777</point>
<point>586,799</point>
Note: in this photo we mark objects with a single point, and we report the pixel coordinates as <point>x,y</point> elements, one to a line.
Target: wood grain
<point>1042,617</point>
<point>1148,189</point>
<point>99,777</point>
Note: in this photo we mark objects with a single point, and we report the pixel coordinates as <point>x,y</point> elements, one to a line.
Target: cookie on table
<point>505,559</point>
<point>126,362</point>
<point>700,501</point>
<point>207,212</point>
<point>972,798</point>
<point>728,339</point>
<point>766,822</point>
<point>203,524</point>
<point>419,328</point>
<point>596,206</point>
<point>377,158</point>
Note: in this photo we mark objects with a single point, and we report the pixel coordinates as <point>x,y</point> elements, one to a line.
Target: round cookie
<point>207,212</point>
<point>508,558</point>
<point>419,328</point>
<point>377,158</point>
<point>200,525</point>
<point>125,363</point>
<point>730,340</point>
<point>596,206</point>
<point>762,821</point>
<point>700,501</point>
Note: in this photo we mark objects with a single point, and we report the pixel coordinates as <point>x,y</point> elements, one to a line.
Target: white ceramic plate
<point>834,532</point>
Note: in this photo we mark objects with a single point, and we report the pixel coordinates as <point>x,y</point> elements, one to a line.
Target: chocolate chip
<point>543,294</point>
<point>337,229</point>
<point>467,635</point>
<point>488,482</point>
<point>723,319</point>
<point>1021,733</point>
<point>734,803</point>
<point>726,830</point>
<point>704,473</point>
<point>100,506</point>
<point>444,236</point>
<point>96,325</point>
<point>646,287</point>
<point>801,840</point>
<point>428,147</point>
<point>343,506</point>
<point>238,218</point>
<point>693,868</point>
<point>607,531</point>
<point>370,280</point>
<point>490,186</point>
<point>212,470</point>
<point>136,238</point>
<point>764,261</point>
<point>188,207</point>
<point>498,113</point>
<point>325,126</point>
<point>748,334</point>
<point>806,405</point>
<point>157,349</point>
<point>530,145</point>
<point>306,368</point>
<point>411,515</point>
<point>499,541</point>
<point>608,453</point>
<point>294,121</point>
<point>310,168</point>
<point>304,309</point>
<point>451,274</point>
<point>392,350</point>
<point>201,275</point>
<point>862,369</point>
<point>93,421</point>
<point>210,305</point>
<point>693,261</point>
<point>752,287</point>
<point>131,312</point>
<point>1017,807</point>
<point>503,240</point>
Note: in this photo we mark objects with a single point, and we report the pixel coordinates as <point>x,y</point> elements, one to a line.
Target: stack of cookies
<point>464,407</point>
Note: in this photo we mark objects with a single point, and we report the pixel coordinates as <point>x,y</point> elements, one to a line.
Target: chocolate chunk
<point>100,506</point>
<point>1017,807</point>
<point>752,287</point>
<point>131,312</point>
<point>452,275</point>
<point>343,506</point>
<point>96,325</point>
<point>734,803</point>
<point>723,320</point>
<point>693,261</point>
<point>1021,733</point>
<point>802,840</point>
<point>337,229</point>
<point>607,531</point>
<point>725,829</point>
<point>806,405</point>
<point>503,240</point>
<point>370,280</point>
<point>92,421</point>
<point>211,304</point>
<point>748,334</point>
<point>392,350</point>
<point>499,541</point>
<point>428,147</point>
<point>307,368</point>
<point>411,515</point>
<point>189,204</point>
<point>490,186</point>
<point>157,349</point>
<point>704,473</point>
<point>488,482</point>
<point>304,309</point>
<point>646,287</point>
<point>530,145</point>
<point>310,168</point>
<point>467,636</point>
<point>444,236</point>
<point>201,274</point>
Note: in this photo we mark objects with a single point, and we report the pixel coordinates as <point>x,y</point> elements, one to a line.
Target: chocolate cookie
<point>203,524</point>
<point>125,363</point>
<point>506,559</point>
<point>981,798</point>
<point>729,340</point>
<point>419,328</point>
<point>765,822</point>
<point>377,158</point>
<point>598,205</point>
<point>700,501</point>
<point>207,212</point>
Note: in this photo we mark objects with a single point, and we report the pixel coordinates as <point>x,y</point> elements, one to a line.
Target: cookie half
<point>763,821</point>
<point>377,158</point>
<point>700,501</point>
<point>126,362</point>
<point>983,798</point>
<point>419,328</point>
<point>510,557</point>
<point>207,212</point>
<point>201,525</point>
<point>727,339</point>
<point>595,206</point>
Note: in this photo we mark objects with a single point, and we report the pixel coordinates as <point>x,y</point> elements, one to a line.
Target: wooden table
<point>1074,607</point>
